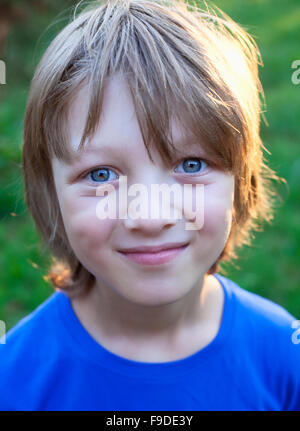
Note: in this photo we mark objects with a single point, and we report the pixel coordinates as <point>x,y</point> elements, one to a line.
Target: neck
<point>105,311</point>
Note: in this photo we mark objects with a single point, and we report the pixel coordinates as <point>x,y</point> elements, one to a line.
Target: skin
<point>145,313</point>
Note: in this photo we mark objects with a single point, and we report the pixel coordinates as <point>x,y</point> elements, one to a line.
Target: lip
<point>154,248</point>
<point>161,256</point>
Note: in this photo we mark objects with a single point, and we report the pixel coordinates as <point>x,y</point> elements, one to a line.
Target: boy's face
<point>97,243</point>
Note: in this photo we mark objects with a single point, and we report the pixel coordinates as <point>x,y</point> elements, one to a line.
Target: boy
<point>153,93</point>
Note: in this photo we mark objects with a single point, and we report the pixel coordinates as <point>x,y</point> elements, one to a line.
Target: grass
<point>270,267</point>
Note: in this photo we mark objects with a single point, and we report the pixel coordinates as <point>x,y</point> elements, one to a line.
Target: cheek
<point>86,233</point>
<point>218,206</point>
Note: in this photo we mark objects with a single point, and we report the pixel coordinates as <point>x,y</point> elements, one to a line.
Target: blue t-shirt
<point>50,362</point>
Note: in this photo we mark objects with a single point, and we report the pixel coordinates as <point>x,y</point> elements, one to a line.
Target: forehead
<point>118,128</point>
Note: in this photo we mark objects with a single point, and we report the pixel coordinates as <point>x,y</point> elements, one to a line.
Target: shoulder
<point>31,334</point>
<point>257,309</point>
<point>269,336</point>
<point>33,323</point>
<point>266,322</point>
<point>27,351</point>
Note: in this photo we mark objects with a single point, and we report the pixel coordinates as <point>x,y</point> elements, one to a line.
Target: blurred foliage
<point>270,267</point>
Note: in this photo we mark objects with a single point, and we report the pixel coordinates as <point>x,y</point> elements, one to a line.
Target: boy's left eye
<point>192,164</point>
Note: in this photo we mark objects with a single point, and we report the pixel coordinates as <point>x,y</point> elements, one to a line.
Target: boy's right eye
<point>100,175</point>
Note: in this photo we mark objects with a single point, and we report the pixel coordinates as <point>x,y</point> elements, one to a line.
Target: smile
<point>154,258</point>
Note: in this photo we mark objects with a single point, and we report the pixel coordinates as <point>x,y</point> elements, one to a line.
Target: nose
<point>150,218</point>
<point>149,226</point>
<point>150,211</point>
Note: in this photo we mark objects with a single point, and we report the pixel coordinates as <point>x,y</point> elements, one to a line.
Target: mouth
<point>161,256</point>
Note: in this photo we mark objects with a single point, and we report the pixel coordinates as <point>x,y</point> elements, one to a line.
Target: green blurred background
<point>270,267</point>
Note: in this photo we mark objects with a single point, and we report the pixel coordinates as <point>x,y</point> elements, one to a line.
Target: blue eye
<point>100,175</point>
<point>192,164</point>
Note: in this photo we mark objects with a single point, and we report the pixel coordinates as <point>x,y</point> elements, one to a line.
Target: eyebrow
<point>100,149</point>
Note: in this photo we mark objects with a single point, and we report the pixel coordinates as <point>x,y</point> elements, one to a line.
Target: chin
<point>153,297</point>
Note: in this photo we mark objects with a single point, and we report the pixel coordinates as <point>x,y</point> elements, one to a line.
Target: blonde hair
<point>178,59</point>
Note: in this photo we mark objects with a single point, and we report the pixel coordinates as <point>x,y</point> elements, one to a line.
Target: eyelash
<point>87,174</point>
